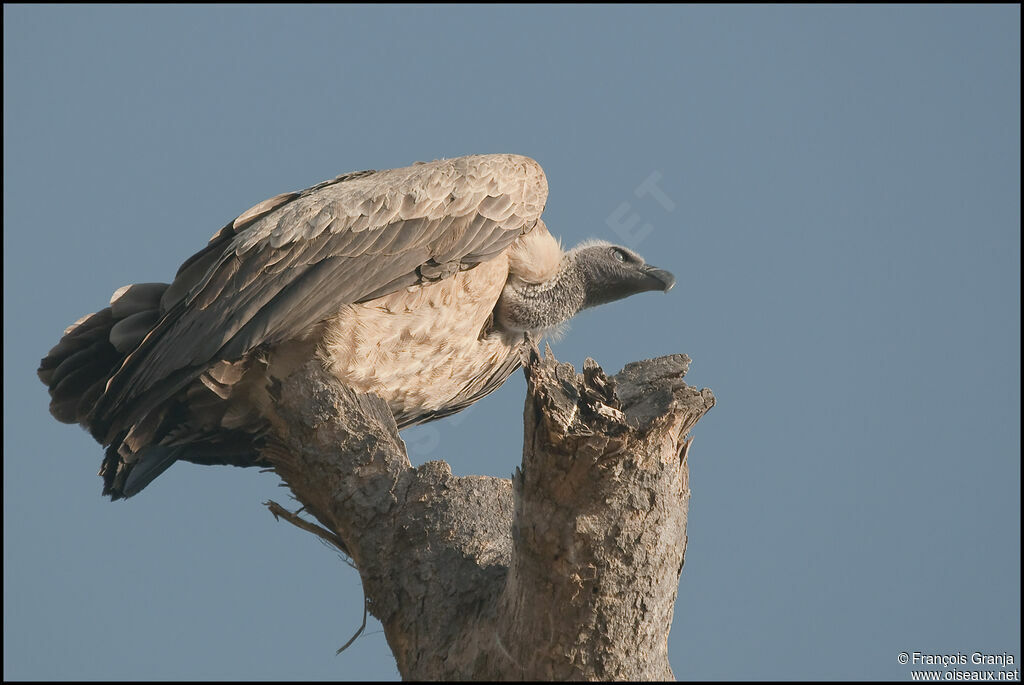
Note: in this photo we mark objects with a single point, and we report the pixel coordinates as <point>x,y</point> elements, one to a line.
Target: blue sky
<point>838,193</point>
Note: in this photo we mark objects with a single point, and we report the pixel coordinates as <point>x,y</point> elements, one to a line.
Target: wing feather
<point>294,260</point>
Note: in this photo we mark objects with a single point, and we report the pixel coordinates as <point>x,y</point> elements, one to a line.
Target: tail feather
<point>94,328</point>
<point>126,334</point>
<point>151,463</point>
<point>78,367</point>
<point>123,479</point>
<point>135,298</point>
<point>83,357</point>
<point>81,360</point>
<point>67,394</point>
<point>88,400</point>
<point>146,437</point>
<point>78,381</point>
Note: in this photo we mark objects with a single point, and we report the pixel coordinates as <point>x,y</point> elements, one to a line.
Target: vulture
<point>422,285</point>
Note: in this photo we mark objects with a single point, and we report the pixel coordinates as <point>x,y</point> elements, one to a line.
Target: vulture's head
<point>612,272</point>
<point>593,273</point>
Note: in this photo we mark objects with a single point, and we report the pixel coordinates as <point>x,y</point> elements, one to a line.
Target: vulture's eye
<point>620,255</point>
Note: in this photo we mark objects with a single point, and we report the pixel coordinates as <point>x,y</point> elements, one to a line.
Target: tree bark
<point>568,571</point>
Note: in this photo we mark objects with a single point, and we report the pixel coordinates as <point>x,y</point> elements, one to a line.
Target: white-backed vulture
<point>419,284</point>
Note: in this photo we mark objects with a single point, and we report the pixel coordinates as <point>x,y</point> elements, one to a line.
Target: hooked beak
<point>659,279</point>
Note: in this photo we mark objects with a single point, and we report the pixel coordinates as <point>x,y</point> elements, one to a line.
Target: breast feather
<point>419,348</point>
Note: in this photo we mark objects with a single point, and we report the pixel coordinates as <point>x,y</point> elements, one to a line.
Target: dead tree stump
<point>568,571</point>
